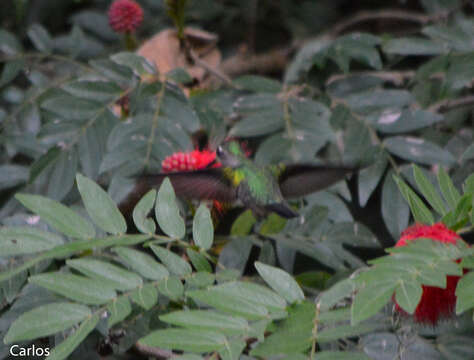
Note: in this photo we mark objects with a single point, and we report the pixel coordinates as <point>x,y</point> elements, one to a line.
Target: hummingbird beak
<point>212,163</point>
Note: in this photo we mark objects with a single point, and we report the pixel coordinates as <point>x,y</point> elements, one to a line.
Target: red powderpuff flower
<point>189,161</point>
<point>435,303</point>
<point>125,16</point>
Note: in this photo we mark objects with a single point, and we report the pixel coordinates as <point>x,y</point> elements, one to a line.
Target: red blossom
<point>435,303</point>
<point>189,161</point>
<point>125,16</point>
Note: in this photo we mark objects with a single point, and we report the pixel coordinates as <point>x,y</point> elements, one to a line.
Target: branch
<point>394,14</point>
<point>396,77</point>
<point>449,104</point>
<point>214,71</point>
<point>153,351</point>
<point>273,61</point>
<point>277,59</point>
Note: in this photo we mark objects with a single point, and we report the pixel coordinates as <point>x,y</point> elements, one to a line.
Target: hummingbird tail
<point>283,210</point>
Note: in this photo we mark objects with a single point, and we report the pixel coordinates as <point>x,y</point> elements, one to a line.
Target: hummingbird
<point>263,189</point>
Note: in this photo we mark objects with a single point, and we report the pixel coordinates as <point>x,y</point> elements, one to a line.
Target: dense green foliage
<point>312,287</point>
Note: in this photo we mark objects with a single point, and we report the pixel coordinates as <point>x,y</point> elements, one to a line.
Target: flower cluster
<point>189,161</point>
<point>435,303</point>
<point>125,16</point>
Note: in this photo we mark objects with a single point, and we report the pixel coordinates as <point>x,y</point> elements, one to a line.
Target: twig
<point>394,14</point>
<point>314,331</point>
<point>396,77</point>
<point>277,59</point>
<point>273,61</point>
<point>199,62</point>
<point>154,351</point>
<point>448,104</point>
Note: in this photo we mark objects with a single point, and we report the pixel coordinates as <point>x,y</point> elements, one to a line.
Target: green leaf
<point>74,247</point>
<point>198,260</point>
<point>378,98</point>
<point>235,254</point>
<point>9,44</point>
<point>141,211</point>
<point>10,71</point>
<point>167,212</point>
<point>393,121</point>
<point>462,209</point>
<point>341,355</point>
<point>207,320</point>
<point>261,114</point>
<point>419,150</point>
<point>113,71</point>
<point>58,216</point>
<point>62,177</point>
<point>46,320</point>
<point>185,340</point>
<point>175,264</point>
<point>203,229</point>
<point>72,108</point>
<point>428,191</point>
<point>116,277</point>
<point>292,335</point>
<point>414,46</point>
<point>200,280</point>
<point>369,178</point>
<point>142,263</point>
<point>281,282</point>
<point>188,357</point>
<point>146,296</point>
<point>102,91</point>
<point>395,210</point>
<point>229,303</point>
<point>179,75</point>
<point>450,194</point>
<point>254,293</point>
<point>140,65</point>
<point>346,331</point>
<point>369,300</point>
<point>119,308</point>
<point>336,293</point>
<point>358,46</point>
<point>273,224</point>
<point>243,224</point>
<point>20,240</point>
<point>418,208</point>
<point>408,295</point>
<point>465,293</point>
<point>171,287</point>
<point>43,162</point>
<point>468,153</point>
<point>12,175</point>
<point>40,38</point>
<point>74,287</point>
<point>65,348</point>
<point>100,206</point>
<point>232,350</point>
<point>258,84</point>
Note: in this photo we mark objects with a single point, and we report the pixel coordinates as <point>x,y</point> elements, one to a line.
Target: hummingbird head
<point>230,154</point>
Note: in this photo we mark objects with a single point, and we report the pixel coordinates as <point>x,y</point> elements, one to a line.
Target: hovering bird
<point>263,189</point>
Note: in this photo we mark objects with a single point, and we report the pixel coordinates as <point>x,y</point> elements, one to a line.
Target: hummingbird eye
<point>219,151</point>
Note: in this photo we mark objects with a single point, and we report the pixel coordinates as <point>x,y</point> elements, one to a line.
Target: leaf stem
<point>314,332</point>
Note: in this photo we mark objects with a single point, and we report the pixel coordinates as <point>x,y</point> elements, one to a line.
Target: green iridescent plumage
<point>262,189</point>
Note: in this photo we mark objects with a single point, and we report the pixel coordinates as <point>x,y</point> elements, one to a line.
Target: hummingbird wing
<point>199,184</point>
<point>302,179</point>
